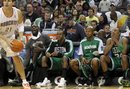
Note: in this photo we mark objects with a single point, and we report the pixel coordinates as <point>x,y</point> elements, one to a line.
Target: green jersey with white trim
<point>88,47</point>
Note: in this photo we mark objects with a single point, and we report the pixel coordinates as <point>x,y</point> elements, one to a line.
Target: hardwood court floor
<point>69,87</point>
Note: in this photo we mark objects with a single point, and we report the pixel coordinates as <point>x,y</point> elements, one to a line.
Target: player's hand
<point>10,43</point>
<point>54,54</point>
<point>115,40</point>
<point>48,54</point>
<point>96,53</point>
<point>84,61</point>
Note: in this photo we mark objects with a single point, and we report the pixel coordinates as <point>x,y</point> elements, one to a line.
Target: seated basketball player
<point>118,47</point>
<point>89,51</point>
<point>11,20</point>
<point>59,50</point>
<point>35,47</point>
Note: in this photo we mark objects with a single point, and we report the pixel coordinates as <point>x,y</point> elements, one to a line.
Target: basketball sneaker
<point>62,82</point>
<point>26,85</point>
<point>45,83</point>
<point>124,82</point>
<point>101,81</point>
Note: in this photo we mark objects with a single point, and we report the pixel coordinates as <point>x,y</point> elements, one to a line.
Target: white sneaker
<point>26,85</point>
<point>62,82</point>
<point>45,83</point>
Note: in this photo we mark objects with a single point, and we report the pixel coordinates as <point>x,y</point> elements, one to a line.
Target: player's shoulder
<point>124,39</point>
<point>18,10</point>
<point>83,40</point>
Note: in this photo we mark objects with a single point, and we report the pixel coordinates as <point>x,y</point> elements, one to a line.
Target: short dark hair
<point>94,21</point>
<point>91,9</point>
<point>89,27</point>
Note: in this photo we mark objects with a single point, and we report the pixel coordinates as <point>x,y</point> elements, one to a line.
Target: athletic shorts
<point>86,69</point>
<point>54,63</point>
<point>114,64</point>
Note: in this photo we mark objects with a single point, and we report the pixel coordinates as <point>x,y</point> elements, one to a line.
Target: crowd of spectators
<point>73,16</point>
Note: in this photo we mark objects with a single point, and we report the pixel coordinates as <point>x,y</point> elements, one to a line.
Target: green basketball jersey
<point>117,51</point>
<point>88,47</point>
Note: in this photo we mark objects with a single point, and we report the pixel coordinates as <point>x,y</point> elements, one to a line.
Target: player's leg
<point>43,61</point>
<point>74,65</point>
<point>95,68</point>
<point>124,64</point>
<point>20,69</point>
<point>62,81</point>
<point>105,60</point>
<point>105,64</point>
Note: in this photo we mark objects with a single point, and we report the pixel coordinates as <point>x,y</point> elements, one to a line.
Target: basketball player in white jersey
<point>11,19</point>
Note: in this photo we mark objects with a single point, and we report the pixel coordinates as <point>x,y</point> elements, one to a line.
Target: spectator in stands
<point>47,22</point>
<point>104,6</point>
<point>117,2</point>
<point>105,33</point>
<point>79,8</point>
<point>18,2</point>
<point>61,21</point>
<point>112,9</point>
<point>91,16</point>
<point>82,20</point>
<point>55,15</point>
<point>30,13</point>
<point>85,8</point>
<point>62,9</point>
<point>37,7</point>
<point>80,2</point>
<point>94,25</point>
<point>52,3</point>
<point>40,19</point>
<point>96,12</point>
<point>91,2</point>
<point>114,20</point>
<point>74,31</point>
<point>75,14</point>
<point>102,21</point>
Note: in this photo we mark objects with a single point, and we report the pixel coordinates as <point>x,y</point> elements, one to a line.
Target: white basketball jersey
<point>8,25</point>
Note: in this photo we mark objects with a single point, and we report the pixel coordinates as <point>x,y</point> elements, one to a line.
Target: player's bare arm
<point>20,22</point>
<point>125,45</point>
<point>84,60</point>
<point>108,47</point>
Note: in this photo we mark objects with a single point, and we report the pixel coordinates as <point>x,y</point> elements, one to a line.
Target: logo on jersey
<point>60,49</point>
<point>90,47</point>
<point>7,23</point>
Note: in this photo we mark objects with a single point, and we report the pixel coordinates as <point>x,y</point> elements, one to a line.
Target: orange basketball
<point>17,46</point>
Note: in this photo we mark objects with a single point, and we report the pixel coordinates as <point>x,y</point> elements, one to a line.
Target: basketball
<point>17,46</point>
